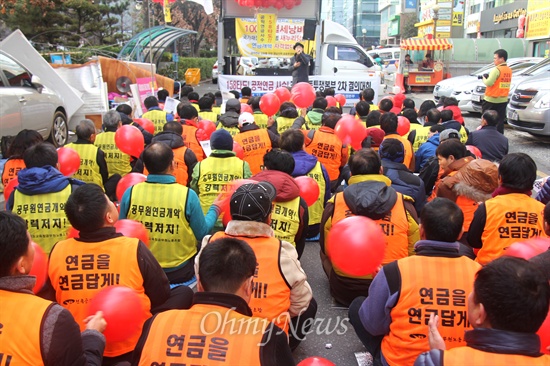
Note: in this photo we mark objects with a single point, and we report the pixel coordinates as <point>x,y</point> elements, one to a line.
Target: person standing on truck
<point>299,65</point>
<point>498,87</point>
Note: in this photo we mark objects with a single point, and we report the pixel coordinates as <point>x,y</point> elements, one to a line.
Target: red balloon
<point>528,248</point>
<point>474,150</point>
<point>73,233</point>
<point>341,99</point>
<point>361,236</point>
<point>544,335</point>
<point>238,149</point>
<point>246,108</point>
<point>316,361</point>
<point>132,229</point>
<point>279,5</point>
<point>283,94</point>
<point>69,161</point>
<point>350,131</point>
<point>269,104</point>
<point>9,188</point>
<point>289,4</point>
<point>129,140</point>
<point>123,321</point>
<point>403,125</point>
<point>127,181</point>
<point>309,189</point>
<point>302,94</point>
<point>39,267</point>
<point>331,101</point>
<point>147,124</point>
<point>206,128</point>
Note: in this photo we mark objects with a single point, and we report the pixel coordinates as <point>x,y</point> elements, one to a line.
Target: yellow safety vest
<point>45,216</point>
<point>215,174</point>
<point>284,123</point>
<point>209,116</point>
<point>422,135</point>
<point>260,119</point>
<point>315,211</point>
<point>89,170</point>
<point>158,118</point>
<point>117,161</point>
<point>232,130</point>
<point>161,209</point>
<point>285,220</point>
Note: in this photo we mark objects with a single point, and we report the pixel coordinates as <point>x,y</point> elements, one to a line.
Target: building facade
<point>366,23</point>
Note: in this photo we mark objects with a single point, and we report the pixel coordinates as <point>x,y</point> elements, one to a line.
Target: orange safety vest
<point>79,270</point>
<point>205,335</point>
<point>470,356</point>
<point>395,227</point>
<point>408,148</point>
<point>501,87</point>
<point>270,293</point>
<point>180,173</point>
<point>256,144</point>
<point>189,135</point>
<point>429,285</point>
<point>11,168</point>
<point>510,218</point>
<point>467,205</point>
<point>327,147</point>
<point>21,318</point>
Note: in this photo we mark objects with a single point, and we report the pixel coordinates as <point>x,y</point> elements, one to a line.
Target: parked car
<point>462,87</point>
<point>27,104</point>
<point>215,73</point>
<point>389,56</point>
<point>518,75</point>
<point>529,107</point>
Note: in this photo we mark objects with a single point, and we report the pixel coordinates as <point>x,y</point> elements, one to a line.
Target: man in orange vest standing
<point>369,194</point>
<point>184,157</point>
<point>255,141</point>
<point>391,321</point>
<point>511,215</point>
<point>100,257</point>
<point>280,290</point>
<point>502,335</point>
<point>220,327</point>
<point>327,147</point>
<point>189,120</point>
<point>388,123</point>
<point>498,87</point>
<point>36,331</point>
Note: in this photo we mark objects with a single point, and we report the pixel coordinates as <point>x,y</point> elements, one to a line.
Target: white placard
<point>170,105</point>
<point>349,86</point>
<point>206,147</point>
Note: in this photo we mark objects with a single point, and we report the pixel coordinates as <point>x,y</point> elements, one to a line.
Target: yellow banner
<point>167,13</point>
<point>286,33</point>
<point>267,28</point>
<point>538,20</point>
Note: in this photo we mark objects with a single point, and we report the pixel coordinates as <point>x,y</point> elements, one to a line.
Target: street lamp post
<point>435,17</point>
<point>364,31</point>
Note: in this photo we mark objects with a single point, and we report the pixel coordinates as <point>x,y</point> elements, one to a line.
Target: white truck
<point>339,62</point>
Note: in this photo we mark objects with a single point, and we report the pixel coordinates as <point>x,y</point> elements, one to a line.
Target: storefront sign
<point>472,23</point>
<point>349,86</point>
<point>497,18</point>
<point>503,17</point>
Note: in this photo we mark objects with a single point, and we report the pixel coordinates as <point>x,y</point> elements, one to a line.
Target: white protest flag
<point>206,4</point>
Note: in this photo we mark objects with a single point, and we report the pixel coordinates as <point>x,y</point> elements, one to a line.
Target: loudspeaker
<point>229,28</point>
<point>309,29</point>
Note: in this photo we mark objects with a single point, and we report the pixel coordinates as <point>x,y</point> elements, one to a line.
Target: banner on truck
<point>287,33</point>
<point>349,86</point>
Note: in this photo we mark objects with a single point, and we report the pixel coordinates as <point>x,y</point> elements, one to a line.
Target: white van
<point>389,56</point>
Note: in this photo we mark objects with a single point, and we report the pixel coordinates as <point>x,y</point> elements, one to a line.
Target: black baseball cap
<point>252,201</point>
<point>298,44</point>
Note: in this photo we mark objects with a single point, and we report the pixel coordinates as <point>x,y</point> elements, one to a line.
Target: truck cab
<point>340,54</point>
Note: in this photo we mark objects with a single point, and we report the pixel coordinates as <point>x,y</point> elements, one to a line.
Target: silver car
<point>520,72</point>
<point>529,107</point>
<point>26,104</point>
<point>462,87</point>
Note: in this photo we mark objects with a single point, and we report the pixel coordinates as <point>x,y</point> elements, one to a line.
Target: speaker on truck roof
<point>309,29</point>
<point>229,28</point>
